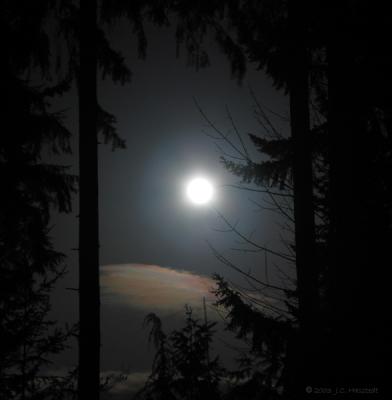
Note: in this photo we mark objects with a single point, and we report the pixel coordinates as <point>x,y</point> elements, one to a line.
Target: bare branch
<point>264,116</point>
<point>267,191</point>
<point>284,118</point>
<point>256,245</point>
<point>237,133</point>
<point>221,135</point>
<point>225,261</point>
<point>258,302</point>
<point>277,207</point>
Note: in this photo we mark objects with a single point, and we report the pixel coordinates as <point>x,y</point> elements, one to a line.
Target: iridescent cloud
<point>153,288</point>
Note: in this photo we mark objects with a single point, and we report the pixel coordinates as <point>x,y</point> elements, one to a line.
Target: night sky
<point>296,253</point>
<point>154,249</point>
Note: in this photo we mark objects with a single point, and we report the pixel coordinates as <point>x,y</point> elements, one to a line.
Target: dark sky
<point>144,218</point>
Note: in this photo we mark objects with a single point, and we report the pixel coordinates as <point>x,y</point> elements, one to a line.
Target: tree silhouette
<point>352,160</point>
<point>357,85</point>
<point>30,48</point>
<point>29,265</point>
<point>182,368</point>
<point>307,275</point>
<point>89,51</point>
<point>159,383</point>
<point>263,367</point>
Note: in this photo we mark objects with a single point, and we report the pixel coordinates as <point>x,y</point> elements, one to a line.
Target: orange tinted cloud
<point>153,288</point>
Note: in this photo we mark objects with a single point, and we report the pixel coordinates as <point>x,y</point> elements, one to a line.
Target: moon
<point>200,191</point>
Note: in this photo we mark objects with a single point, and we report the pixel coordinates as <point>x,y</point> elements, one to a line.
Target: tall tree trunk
<point>307,277</point>
<point>340,179</point>
<point>352,290</point>
<point>89,303</point>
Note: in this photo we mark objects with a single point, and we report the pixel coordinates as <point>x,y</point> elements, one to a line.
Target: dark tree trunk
<point>89,303</point>
<point>354,258</point>
<point>341,164</point>
<point>307,276</point>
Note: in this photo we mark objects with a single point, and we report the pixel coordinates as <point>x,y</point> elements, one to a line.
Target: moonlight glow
<point>199,191</point>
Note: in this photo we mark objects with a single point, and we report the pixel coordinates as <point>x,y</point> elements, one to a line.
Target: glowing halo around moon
<point>199,191</point>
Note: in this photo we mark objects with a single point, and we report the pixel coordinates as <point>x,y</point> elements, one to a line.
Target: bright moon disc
<point>199,191</point>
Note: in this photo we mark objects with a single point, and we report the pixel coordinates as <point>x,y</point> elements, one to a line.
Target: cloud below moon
<point>153,288</point>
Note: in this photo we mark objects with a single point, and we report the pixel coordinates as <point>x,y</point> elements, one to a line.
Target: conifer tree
<point>29,265</point>
<point>182,368</point>
<point>90,52</point>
